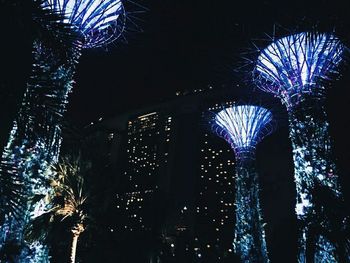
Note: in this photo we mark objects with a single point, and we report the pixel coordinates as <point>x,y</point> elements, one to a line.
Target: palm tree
<point>67,200</point>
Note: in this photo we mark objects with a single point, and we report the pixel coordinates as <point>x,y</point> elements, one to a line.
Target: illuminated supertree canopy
<point>35,139</point>
<point>297,64</point>
<point>97,20</point>
<point>243,127</point>
<point>295,68</point>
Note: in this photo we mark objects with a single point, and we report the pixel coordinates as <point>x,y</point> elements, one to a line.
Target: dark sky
<point>187,44</point>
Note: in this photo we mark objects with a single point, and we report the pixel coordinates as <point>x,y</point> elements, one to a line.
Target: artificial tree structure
<point>296,69</point>
<point>243,127</point>
<point>34,141</point>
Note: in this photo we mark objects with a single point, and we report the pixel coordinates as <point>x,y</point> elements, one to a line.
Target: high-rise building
<point>215,212</point>
<point>147,149</point>
<point>174,198</point>
<point>142,168</point>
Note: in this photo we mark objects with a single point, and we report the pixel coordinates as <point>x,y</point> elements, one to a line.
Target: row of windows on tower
<point>147,150</point>
<point>214,209</point>
<point>215,205</point>
<point>131,206</point>
<point>218,106</point>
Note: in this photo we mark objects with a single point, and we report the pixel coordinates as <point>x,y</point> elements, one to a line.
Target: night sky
<point>187,44</point>
<point>184,45</point>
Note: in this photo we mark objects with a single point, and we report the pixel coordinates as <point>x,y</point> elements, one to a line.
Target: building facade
<point>215,212</point>
<point>175,189</point>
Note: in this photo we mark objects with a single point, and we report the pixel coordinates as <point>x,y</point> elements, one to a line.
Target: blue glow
<point>243,126</point>
<point>97,20</point>
<point>34,145</point>
<point>313,164</point>
<point>297,63</point>
<point>294,68</point>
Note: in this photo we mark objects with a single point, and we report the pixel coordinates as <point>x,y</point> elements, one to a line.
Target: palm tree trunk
<point>74,248</point>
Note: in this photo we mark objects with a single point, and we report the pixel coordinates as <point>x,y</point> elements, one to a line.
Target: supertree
<point>296,69</point>
<point>243,127</point>
<point>35,139</point>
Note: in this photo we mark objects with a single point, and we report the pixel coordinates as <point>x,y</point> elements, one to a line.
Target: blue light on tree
<point>97,20</point>
<point>35,139</point>
<point>243,127</point>
<point>297,64</point>
<point>296,69</point>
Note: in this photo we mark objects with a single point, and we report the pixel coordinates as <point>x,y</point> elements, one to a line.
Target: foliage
<point>66,201</point>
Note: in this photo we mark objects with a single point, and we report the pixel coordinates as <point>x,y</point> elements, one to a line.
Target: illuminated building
<point>243,127</point>
<point>143,167</point>
<point>214,211</point>
<point>184,211</point>
<point>296,69</point>
<point>148,139</point>
<point>35,138</point>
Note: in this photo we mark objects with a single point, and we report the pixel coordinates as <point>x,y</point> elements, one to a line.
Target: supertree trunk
<point>296,68</point>
<point>243,127</point>
<point>35,139</point>
<point>249,240</point>
<point>316,179</point>
<point>69,25</point>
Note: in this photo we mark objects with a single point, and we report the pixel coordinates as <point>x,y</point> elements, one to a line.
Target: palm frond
<point>39,228</point>
<point>66,200</point>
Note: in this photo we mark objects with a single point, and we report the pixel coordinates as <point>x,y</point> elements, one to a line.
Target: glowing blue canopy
<point>98,20</point>
<point>295,64</point>
<point>243,126</point>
